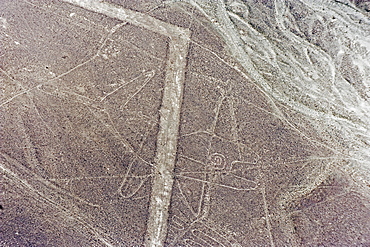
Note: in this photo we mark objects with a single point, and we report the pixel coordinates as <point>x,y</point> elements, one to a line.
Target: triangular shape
<point>193,193</point>
<point>224,124</point>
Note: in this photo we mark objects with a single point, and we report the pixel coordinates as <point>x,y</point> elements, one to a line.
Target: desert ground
<point>184,123</point>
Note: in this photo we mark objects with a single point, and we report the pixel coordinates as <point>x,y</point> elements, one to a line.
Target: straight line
<point>167,142</point>
<point>169,112</point>
<point>42,190</point>
<point>267,215</point>
<point>133,17</point>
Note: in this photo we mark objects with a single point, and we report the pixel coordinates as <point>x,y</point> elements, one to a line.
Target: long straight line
<point>167,142</point>
<point>163,178</point>
<point>133,17</point>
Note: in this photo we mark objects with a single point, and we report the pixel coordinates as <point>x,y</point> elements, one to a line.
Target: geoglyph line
<point>167,141</point>
<point>163,179</point>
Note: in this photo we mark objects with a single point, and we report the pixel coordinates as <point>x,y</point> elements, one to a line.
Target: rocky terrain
<point>184,123</point>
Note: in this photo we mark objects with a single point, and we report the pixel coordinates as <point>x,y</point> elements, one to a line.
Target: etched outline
<point>169,112</point>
